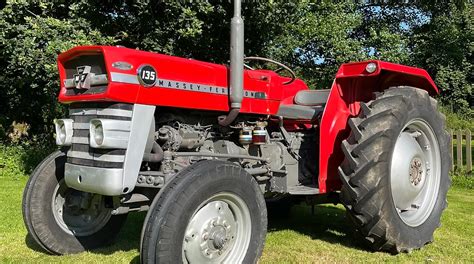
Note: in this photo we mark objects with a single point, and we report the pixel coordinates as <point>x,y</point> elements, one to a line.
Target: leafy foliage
<point>457,121</point>
<point>462,180</point>
<point>30,40</point>
<point>313,37</point>
<point>21,159</point>
<point>445,48</point>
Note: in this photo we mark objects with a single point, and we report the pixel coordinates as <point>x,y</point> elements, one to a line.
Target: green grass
<point>325,236</point>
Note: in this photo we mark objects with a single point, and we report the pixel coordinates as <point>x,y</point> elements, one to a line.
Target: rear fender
<point>352,85</point>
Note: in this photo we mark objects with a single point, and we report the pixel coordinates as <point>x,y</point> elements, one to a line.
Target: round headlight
<point>371,67</point>
<point>99,134</point>
<point>62,133</point>
<point>63,128</point>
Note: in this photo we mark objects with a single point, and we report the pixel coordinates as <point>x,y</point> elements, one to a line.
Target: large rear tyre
<point>212,212</point>
<point>62,220</point>
<point>395,173</point>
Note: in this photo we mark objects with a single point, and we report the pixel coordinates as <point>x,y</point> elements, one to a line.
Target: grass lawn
<point>325,236</point>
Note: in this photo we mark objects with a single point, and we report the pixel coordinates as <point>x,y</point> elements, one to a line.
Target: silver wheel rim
<point>219,231</point>
<point>78,213</point>
<point>415,172</point>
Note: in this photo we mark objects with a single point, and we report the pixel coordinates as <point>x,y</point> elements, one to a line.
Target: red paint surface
<point>179,69</point>
<point>351,86</point>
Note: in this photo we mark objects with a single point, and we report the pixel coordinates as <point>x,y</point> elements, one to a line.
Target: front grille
<point>92,90</point>
<point>80,152</point>
<point>97,64</point>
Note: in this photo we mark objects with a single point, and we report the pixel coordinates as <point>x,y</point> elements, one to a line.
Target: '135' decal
<point>147,75</point>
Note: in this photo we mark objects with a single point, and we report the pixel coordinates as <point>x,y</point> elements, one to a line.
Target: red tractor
<point>205,148</point>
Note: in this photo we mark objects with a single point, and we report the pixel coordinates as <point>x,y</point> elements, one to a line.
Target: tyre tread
<point>364,167</point>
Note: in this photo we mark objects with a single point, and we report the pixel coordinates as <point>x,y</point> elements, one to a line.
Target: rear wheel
<point>212,212</point>
<point>62,220</point>
<point>395,173</point>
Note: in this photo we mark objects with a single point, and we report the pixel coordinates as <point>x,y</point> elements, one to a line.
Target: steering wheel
<point>282,67</point>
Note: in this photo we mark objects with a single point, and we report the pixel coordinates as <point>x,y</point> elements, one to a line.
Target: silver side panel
<point>113,181</point>
<point>98,157</point>
<point>185,86</point>
<point>124,78</point>
<point>107,112</point>
<point>142,120</point>
<point>95,180</point>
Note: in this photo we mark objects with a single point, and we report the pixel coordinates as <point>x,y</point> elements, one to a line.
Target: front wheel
<point>395,173</point>
<point>62,220</point>
<point>212,212</point>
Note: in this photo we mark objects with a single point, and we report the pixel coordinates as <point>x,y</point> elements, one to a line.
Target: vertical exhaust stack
<point>236,65</point>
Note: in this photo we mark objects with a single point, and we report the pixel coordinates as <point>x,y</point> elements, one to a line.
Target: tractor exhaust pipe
<point>236,65</point>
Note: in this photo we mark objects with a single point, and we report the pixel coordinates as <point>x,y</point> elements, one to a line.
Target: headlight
<point>63,131</point>
<point>109,134</point>
<point>98,133</point>
<point>371,67</point>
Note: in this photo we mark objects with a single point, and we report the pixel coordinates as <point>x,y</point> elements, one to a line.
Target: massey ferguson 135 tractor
<point>204,148</point>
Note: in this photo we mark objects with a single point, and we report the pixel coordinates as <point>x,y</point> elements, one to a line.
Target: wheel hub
<point>416,171</point>
<point>407,171</point>
<point>216,232</point>
<point>78,213</point>
<point>218,237</point>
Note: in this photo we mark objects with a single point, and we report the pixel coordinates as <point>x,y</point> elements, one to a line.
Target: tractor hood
<point>105,73</point>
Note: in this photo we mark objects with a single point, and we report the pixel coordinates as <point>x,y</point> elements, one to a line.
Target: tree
<point>313,37</point>
<point>445,48</point>
<point>30,41</point>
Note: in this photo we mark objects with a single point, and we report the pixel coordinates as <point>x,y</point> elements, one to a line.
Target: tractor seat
<point>312,97</point>
<point>309,105</point>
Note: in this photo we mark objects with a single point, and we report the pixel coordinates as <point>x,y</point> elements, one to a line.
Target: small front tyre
<point>212,212</point>
<point>62,220</point>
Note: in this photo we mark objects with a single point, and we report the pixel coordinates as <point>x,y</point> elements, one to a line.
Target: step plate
<point>303,190</point>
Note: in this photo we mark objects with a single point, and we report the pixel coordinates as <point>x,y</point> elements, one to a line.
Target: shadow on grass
<point>128,238</point>
<point>329,223</point>
<point>31,243</point>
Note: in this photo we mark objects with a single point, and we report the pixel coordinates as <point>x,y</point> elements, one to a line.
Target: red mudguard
<point>352,85</point>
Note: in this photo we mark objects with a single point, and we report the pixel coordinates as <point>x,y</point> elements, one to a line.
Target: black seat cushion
<point>301,112</point>
<point>312,97</point>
